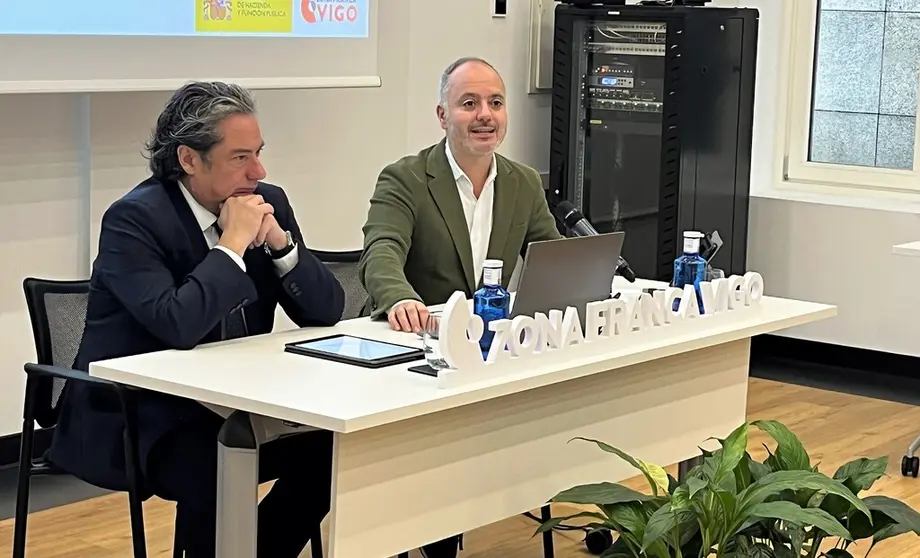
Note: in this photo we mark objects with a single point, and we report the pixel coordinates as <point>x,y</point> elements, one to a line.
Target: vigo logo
<point>319,11</point>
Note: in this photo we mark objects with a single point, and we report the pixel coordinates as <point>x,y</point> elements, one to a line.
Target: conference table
<point>415,462</point>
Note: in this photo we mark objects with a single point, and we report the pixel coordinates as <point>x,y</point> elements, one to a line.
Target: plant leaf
<point>630,516</point>
<point>885,513</point>
<point>673,484</point>
<point>656,475</point>
<point>734,448</point>
<point>599,494</point>
<point>694,485</point>
<point>743,475</point>
<point>889,532</point>
<point>790,453</point>
<point>788,511</point>
<point>758,470</point>
<point>709,470</point>
<point>622,552</point>
<point>901,513</point>
<point>659,525</point>
<point>860,474</point>
<point>837,553</point>
<point>662,528</point>
<point>619,549</point>
<point>760,550</point>
<point>771,462</point>
<point>797,537</point>
<point>781,551</point>
<point>681,497</point>
<point>835,505</point>
<point>778,481</point>
<point>727,503</point>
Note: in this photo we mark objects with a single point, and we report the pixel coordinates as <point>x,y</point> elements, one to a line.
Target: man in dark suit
<point>201,251</point>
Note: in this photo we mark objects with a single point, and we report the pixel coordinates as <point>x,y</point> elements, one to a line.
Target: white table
<point>414,463</point>
<point>908,249</point>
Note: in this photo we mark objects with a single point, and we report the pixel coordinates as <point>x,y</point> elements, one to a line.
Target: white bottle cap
<point>492,272</point>
<point>692,242</point>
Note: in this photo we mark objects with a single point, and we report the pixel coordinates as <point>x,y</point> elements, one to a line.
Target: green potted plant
<point>732,506</point>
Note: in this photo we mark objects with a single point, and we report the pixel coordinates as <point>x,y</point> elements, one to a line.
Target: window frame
<point>800,42</point>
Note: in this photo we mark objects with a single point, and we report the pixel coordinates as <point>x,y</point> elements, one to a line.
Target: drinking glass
<point>713,273</point>
<point>430,331</point>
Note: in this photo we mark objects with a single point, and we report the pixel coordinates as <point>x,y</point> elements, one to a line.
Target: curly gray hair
<point>192,118</point>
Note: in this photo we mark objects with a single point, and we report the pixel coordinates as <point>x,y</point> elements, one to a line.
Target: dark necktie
<point>235,323</point>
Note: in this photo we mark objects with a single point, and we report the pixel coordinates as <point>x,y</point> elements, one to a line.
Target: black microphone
<point>573,219</point>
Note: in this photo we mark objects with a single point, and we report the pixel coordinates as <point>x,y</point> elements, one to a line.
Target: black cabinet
<point>652,123</point>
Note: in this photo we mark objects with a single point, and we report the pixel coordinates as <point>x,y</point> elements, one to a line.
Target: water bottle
<point>491,302</point>
<point>690,267</point>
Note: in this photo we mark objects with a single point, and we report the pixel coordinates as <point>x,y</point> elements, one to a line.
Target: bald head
<point>463,64</point>
<point>471,108</point>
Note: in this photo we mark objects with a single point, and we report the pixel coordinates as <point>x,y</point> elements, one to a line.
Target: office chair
<point>910,463</point>
<point>57,310</point>
<point>344,265</point>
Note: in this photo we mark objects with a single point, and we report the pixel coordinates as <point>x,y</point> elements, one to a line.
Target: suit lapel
<point>506,191</point>
<point>443,189</point>
<point>198,244</point>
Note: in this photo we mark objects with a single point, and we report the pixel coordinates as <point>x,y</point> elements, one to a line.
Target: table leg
<point>546,513</point>
<point>237,488</point>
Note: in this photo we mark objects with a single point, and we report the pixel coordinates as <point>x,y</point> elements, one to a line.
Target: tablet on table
<point>357,351</point>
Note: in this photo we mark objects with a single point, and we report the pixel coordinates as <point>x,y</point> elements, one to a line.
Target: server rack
<point>652,122</point>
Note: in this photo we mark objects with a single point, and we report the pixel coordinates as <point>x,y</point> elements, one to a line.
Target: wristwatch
<point>278,254</point>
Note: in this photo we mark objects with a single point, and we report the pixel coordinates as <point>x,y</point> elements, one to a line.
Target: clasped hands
<point>249,222</point>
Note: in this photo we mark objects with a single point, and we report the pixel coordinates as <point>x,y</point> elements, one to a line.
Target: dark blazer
<point>155,285</point>
<point>416,241</point>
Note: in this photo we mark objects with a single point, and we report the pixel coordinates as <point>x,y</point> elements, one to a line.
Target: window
<point>853,98</point>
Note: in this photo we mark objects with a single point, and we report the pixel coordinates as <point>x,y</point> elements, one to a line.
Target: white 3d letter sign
<point>525,342</point>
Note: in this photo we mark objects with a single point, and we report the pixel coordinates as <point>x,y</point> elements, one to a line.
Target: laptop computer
<point>567,272</point>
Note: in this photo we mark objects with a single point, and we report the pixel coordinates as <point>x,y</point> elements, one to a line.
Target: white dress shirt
<point>208,223</point>
<point>478,213</point>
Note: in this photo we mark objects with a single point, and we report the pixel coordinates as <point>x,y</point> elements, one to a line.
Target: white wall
<point>822,251</point>
<point>64,158</point>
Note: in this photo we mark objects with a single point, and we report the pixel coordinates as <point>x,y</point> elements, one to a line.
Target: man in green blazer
<point>437,215</point>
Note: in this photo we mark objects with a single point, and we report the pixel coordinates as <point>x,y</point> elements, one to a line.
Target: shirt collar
<point>204,217</point>
<point>458,172</point>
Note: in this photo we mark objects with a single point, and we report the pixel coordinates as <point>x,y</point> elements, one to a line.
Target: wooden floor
<point>834,427</point>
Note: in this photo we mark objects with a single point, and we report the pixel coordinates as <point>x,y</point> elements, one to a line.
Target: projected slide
<point>187,18</point>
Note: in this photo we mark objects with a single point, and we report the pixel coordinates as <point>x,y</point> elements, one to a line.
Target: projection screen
<point>125,45</point>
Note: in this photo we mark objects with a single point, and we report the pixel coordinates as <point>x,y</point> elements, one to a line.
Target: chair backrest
<point>57,310</point>
<point>345,267</point>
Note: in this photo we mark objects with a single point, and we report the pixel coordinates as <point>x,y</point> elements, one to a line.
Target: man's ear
<point>188,159</point>
<point>442,116</point>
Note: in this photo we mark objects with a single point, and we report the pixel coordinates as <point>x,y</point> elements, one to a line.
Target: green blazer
<point>416,241</point>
